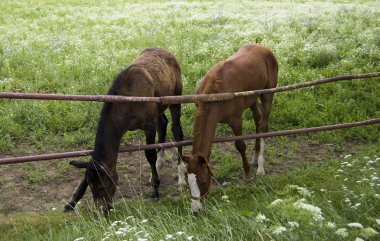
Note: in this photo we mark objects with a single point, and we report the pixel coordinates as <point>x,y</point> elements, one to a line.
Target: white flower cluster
<point>129,227</point>
<point>314,210</point>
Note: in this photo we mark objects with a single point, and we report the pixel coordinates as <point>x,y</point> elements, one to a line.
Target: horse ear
<point>79,164</point>
<point>202,159</point>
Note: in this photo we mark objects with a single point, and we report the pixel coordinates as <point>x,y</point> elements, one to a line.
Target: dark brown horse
<point>155,72</point>
<point>253,67</point>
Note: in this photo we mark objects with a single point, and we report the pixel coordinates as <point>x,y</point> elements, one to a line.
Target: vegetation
<point>78,47</point>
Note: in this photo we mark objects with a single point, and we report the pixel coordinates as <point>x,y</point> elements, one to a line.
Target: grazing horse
<point>252,67</point>
<point>154,73</point>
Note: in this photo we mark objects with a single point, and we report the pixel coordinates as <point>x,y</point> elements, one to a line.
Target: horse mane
<point>104,114</point>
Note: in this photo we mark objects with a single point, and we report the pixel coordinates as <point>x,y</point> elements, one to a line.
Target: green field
<point>78,47</point>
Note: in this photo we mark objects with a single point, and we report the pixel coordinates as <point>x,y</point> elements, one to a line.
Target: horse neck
<point>204,131</point>
<point>107,142</point>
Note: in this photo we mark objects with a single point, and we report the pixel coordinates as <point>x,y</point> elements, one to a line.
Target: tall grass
<point>78,48</point>
<point>336,200</point>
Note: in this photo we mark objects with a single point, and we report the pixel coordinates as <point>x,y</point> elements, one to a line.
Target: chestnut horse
<point>155,72</point>
<point>252,67</point>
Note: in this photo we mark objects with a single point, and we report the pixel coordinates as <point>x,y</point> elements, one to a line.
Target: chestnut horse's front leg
<point>77,195</point>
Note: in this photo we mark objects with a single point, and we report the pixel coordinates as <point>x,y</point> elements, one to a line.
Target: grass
<point>310,203</point>
<point>78,47</point>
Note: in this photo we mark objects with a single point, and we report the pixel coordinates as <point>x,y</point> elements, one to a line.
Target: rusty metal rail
<point>131,148</point>
<point>183,98</point>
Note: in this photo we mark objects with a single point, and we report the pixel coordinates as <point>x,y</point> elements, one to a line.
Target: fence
<point>183,99</point>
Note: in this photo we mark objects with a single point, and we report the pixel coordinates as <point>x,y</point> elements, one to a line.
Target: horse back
<point>252,67</point>
<point>162,69</point>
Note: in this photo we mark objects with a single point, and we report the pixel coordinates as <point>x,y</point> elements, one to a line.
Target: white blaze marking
<point>181,175</point>
<point>196,205</point>
<point>261,160</point>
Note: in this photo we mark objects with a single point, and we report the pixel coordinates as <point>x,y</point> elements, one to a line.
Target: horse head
<point>102,182</point>
<point>199,178</point>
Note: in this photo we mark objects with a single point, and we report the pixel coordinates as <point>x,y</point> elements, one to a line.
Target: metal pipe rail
<point>12,160</point>
<point>183,98</point>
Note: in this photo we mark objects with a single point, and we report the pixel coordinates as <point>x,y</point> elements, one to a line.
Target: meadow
<point>78,47</point>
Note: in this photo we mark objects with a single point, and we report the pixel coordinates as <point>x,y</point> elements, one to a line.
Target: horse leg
<point>77,195</point>
<point>256,111</point>
<point>237,127</point>
<point>175,111</point>
<point>151,156</point>
<point>266,101</point>
<point>162,124</point>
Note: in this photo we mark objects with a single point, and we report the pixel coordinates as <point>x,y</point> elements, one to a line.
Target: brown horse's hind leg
<point>237,128</point>
<point>256,111</point>
<point>266,101</point>
<point>175,111</point>
<point>151,156</point>
<point>77,195</point>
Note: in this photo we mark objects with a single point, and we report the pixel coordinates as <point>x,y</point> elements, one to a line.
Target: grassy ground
<point>335,200</point>
<point>78,47</point>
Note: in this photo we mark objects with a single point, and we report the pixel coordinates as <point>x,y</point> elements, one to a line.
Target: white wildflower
<point>116,223</point>
<point>347,156</point>
<point>359,239</point>
<point>144,221</point>
<point>301,190</point>
<point>277,201</point>
<point>279,230</point>
<point>190,238</point>
<point>322,190</point>
<point>355,225</point>
<point>79,239</point>
<point>331,225</point>
<point>180,233</point>
<point>169,237</point>
<point>342,232</point>
<point>316,211</point>
<point>293,224</point>
<point>378,221</point>
<point>225,198</point>
<point>368,232</point>
<point>261,218</point>
<point>340,170</point>
<point>53,209</point>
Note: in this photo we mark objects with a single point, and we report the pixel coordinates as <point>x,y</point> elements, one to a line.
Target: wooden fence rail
<point>183,98</point>
<point>131,148</point>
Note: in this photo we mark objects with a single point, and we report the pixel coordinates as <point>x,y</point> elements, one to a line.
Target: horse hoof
<point>69,208</point>
<point>248,178</point>
<point>260,172</point>
<point>154,197</point>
